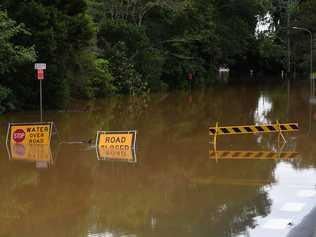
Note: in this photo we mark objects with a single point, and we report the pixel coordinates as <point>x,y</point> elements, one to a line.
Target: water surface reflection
<point>174,189</point>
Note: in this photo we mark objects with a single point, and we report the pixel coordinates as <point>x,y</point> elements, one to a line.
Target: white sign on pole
<point>41,66</point>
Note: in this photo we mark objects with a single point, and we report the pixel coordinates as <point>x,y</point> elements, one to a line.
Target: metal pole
<point>311,64</point>
<point>288,44</point>
<point>311,54</point>
<point>288,97</point>
<point>312,78</point>
<point>311,59</point>
<point>41,100</point>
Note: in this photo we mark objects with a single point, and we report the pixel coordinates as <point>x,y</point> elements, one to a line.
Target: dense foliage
<point>95,48</point>
<point>13,57</point>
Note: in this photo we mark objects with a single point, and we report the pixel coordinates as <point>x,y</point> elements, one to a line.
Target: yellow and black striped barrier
<point>253,155</point>
<point>230,130</point>
<point>253,129</point>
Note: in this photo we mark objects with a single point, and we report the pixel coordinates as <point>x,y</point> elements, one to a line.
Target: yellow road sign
<point>116,139</point>
<point>29,133</point>
<point>253,155</point>
<point>230,130</point>
<point>116,145</point>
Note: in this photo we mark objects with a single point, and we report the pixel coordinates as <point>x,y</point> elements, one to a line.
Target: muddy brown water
<point>175,188</point>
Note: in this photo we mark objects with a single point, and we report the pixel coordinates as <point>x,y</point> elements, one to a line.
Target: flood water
<point>175,188</point>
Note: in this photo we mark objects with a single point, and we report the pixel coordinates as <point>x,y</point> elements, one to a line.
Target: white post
<point>41,100</point>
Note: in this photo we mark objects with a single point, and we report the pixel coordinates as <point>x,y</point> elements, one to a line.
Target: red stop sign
<point>19,135</point>
<point>40,74</point>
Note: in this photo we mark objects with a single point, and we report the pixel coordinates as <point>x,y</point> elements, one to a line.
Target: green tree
<point>13,57</point>
<point>60,30</point>
<point>126,78</point>
<point>304,18</point>
<point>102,82</point>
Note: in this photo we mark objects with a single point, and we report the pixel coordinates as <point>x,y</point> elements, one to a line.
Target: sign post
<point>40,67</point>
<point>41,100</point>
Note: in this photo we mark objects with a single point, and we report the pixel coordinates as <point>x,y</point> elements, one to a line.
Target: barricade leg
<point>280,133</point>
<point>214,141</point>
<point>215,138</point>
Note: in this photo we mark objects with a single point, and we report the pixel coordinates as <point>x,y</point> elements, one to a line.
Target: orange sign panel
<point>114,145</point>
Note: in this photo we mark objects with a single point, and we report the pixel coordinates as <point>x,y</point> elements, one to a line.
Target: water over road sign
<point>29,133</point>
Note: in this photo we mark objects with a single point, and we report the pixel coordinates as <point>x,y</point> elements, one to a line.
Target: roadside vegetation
<point>96,48</point>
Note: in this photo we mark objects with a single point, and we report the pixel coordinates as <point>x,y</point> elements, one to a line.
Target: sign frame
<point>26,124</point>
<point>133,147</point>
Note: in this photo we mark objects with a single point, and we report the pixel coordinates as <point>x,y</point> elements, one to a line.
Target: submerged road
<point>307,228</point>
<point>176,186</point>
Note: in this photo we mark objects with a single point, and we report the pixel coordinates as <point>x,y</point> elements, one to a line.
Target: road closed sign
<point>29,133</point>
<point>116,145</point>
